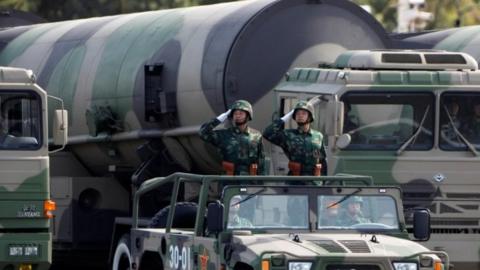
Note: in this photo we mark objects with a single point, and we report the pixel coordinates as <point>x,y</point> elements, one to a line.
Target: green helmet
<point>304,105</point>
<point>356,199</point>
<point>242,105</point>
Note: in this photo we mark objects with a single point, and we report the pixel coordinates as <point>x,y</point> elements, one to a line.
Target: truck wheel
<point>122,259</point>
<point>185,213</point>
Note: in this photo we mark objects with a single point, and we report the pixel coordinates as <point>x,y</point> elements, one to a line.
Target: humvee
<point>278,222</point>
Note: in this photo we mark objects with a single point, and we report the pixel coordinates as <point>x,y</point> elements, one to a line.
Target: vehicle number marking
<point>179,257</point>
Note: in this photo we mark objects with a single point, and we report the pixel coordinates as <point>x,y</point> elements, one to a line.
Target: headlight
<point>299,265</point>
<point>405,266</point>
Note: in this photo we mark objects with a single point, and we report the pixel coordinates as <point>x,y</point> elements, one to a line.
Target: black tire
<point>122,259</point>
<point>151,261</point>
<point>185,213</point>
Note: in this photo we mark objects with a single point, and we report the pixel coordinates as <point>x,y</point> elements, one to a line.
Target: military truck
<point>288,223</point>
<point>26,210</point>
<point>139,86</point>
<point>403,117</point>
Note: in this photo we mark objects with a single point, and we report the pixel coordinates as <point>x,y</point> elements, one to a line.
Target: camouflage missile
<point>462,39</point>
<point>158,75</point>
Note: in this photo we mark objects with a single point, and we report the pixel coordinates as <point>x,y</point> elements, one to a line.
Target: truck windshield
<point>268,211</point>
<point>459,120</point>
<point>20,120</point>
<point>385,121</point>
<point>358,211</point>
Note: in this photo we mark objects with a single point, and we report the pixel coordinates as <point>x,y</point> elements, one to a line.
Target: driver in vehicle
<point>472,126</point>
<point>235,220</point>
<point>353,214</point>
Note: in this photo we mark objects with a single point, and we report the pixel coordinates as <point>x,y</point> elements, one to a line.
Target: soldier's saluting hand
<point>303,146</point>
<point>240,145</point>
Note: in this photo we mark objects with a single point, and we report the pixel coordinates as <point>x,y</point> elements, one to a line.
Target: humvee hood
<point>332,244</point>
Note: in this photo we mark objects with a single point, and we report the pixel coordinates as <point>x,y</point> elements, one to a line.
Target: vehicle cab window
<point>20,121</point>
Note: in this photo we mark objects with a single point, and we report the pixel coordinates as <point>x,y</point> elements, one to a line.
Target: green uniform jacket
<point>472,129</point>
<point>239,222</point>
<point>240,148</point>
<point>304,147</point>
<point>347,220</point>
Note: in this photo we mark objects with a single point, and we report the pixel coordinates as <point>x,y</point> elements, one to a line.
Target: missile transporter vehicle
<point>139,86</point>
<point>278,222</point>
<point>405,118</point>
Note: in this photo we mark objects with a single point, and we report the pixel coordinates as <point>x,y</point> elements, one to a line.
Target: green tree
<point>57,10</point>
<point>447,13</point>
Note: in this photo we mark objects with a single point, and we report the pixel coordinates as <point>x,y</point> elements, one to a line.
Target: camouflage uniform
<point>240,148</point>
<point>306,148</point>
<point>346,219</point>
<point>239,222</point>
<point>349,219</point>
<point>472,129</point>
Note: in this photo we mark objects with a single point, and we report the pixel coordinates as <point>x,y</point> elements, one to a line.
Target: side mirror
<point>421,224</point>
<point>215,217</point>
<point>60,127</point>
<point>343,141</point>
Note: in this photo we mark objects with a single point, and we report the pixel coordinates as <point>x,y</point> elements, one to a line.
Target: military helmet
<point>235,200</point>
<point>242,105</point>
<point>356,199</point>
<point>304,105</point>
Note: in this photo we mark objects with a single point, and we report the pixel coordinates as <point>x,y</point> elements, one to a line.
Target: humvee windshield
<point>359,211</point>
<point>293,211</point>
<point>268,211</point>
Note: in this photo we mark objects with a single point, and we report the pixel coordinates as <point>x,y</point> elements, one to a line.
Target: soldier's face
<point>234,206</point>
<point>301,116</point>
<point>354,208</point>
<point>239,117</point>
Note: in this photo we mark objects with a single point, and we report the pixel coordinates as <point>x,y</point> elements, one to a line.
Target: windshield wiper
<point>459,134</point>
<point>344,198</point>
<point>415,135</point>
<point>249,197</point>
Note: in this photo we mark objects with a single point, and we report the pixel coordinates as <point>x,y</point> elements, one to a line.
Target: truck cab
<point>26,209</point>
<point>406,118</point>
<point>277,222</point>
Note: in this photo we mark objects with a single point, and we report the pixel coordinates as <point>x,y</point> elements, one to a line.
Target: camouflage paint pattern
<point>208,56</point>
<point>306,148</point>
<point>242,148</point>
<point>154,77</point>
<point>24,186</point>
<point>191,249</point>
<point>443,180</point>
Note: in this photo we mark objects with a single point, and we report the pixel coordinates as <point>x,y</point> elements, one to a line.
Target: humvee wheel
<point>122,258</point>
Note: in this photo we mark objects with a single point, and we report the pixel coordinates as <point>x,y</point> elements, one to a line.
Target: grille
<point>356,246</point>
<point>352,267</point>
<point>329,246</point>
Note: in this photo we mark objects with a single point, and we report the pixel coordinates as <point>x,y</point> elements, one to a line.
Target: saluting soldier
<point>303,146</point>
<point>240,145</point>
